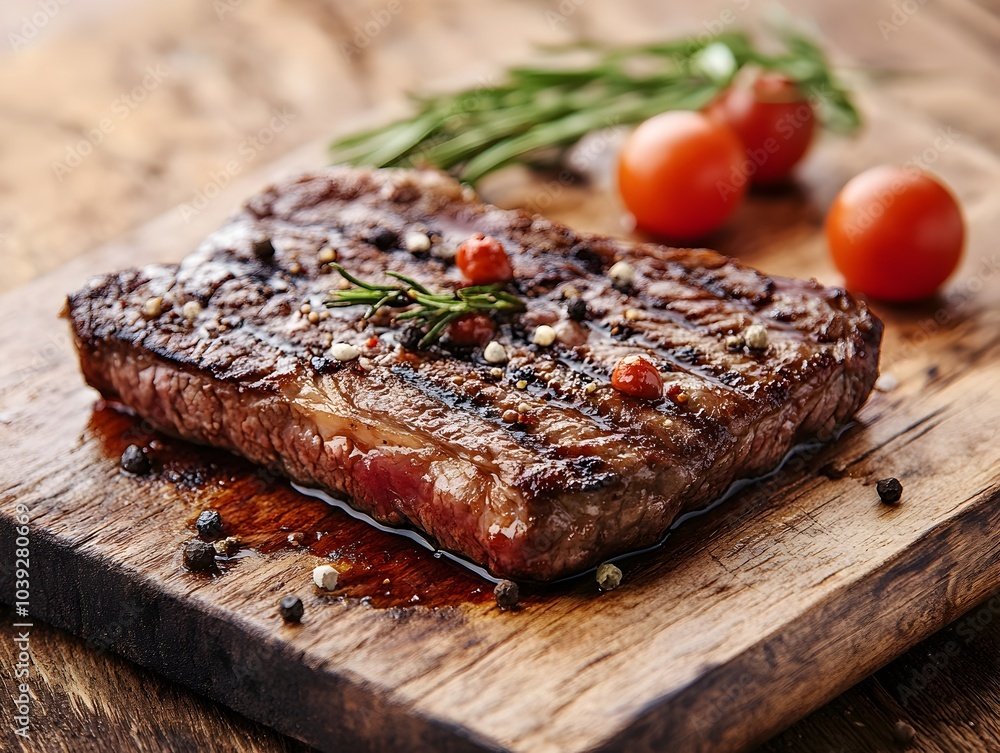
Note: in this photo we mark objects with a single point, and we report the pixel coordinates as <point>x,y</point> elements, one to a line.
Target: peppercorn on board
<point>749,617</point>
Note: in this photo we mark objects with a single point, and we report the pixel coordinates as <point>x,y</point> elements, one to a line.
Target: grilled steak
<point>220,349</point>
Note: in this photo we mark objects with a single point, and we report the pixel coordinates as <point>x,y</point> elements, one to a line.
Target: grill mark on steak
<point>664,348</point>
<point>536,435</point>
<point>652,425</point>
<point>418,438</point>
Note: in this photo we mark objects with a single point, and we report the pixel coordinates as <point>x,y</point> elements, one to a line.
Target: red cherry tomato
<point>483,260</point>
<point>681,174</point>
<point>471,329</point>
<point>638,377</point>
<point>774,121</point>
<point>895,233</point>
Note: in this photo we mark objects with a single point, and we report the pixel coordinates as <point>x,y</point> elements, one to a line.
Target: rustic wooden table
<point>114,112</point>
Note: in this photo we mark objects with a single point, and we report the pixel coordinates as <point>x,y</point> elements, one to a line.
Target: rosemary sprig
<point>432,311</point>
<point>538,111</point>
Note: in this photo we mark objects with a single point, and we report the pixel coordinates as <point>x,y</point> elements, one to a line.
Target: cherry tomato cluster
<point>682,174</point>
<point>894,233</point>
<point>774,122</point>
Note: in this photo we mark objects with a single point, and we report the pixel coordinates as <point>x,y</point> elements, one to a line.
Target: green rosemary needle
<point>432,311</point>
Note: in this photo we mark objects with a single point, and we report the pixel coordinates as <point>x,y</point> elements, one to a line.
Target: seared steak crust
<point>418,438</point>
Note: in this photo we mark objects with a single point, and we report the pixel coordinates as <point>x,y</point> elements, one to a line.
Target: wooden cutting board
<point>748,618</point>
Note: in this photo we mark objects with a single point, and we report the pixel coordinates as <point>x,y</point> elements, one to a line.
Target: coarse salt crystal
<point>153,307</point>
<point>544,336</point>
<point>494,353</point>
<point>325,577</point>
<point>416,241</point>
<point>756,337</point>
<point>622,274</point>
<point>344,352</point>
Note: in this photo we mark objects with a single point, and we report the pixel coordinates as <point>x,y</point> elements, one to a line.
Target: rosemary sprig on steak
<point>534,114</point>
<point>433,311</point>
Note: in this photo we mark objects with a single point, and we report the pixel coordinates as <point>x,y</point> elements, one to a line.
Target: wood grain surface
<point>749,618</point>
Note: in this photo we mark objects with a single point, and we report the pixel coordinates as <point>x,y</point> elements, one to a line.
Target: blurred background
<point>180,86</point>
<point>114,113</point>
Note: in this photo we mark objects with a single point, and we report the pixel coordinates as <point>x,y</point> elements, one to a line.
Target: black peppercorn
<point>577,310</point>
<point>209,524</point>
<point>291,608</point>
<point>135,461</point>
<point>590,259</point>
<point>507,594</point>
<point>410,337</point>
<point>687,354</point>
<point>263,249</point>
<point>383,239</point>
<point>889,490</point>
<point>199,555</point>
